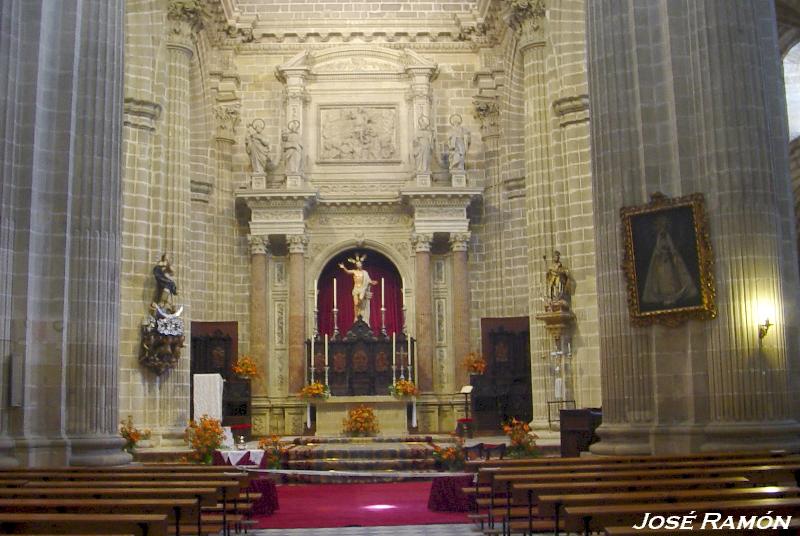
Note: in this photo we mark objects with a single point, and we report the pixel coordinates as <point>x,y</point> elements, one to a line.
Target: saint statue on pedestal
<point>361,283</point>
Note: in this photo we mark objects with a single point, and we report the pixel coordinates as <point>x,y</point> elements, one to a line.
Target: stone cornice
<point>440,196</point>
<point>141,114</point>
<point>278,198</point>
<point>571,110</point>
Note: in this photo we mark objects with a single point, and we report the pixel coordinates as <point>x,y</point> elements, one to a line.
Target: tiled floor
<point>408,530</point>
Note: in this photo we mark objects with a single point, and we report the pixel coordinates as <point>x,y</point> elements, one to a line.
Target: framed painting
<point>668,261</point>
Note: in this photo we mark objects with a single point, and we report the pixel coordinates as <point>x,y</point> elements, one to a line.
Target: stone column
<point>461,299</point>
<point>60,229</point>
<point>174,201</point>
<point>258,311</point>
<point>228,117</point>
<point>424,312</point>
<point>671,116</point>
<point>297,323</point>
<point>794,169</point>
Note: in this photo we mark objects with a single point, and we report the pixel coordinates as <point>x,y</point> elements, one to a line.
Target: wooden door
<point>215,349</point>
<point>504,390</point>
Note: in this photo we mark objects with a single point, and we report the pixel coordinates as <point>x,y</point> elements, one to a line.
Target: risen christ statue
<point>361,283</point>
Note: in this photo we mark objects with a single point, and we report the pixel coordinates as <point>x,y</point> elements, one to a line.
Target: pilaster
<point>297,249</point>
<point>424,313</point>
<point>259,320</point>
<point>459,243</point>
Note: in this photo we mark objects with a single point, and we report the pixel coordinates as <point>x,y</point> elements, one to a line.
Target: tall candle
<point>403,291</point>
<point>383,302</point>
<point>312,358</point>
<point>326,349</point>
<point>394,351</point>
<point>316,293</point>
<point>334,293</point>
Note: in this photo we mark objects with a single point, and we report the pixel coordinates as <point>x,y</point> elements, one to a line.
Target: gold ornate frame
<point>633,219</point>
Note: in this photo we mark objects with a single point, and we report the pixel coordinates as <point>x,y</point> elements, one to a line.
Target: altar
<point>392,414</point>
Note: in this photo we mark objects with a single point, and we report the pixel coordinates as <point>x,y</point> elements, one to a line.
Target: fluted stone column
<point>297,362</point>
<point>258,311</point>
<point>459,242</point>
<point>175,202</point>
<point>794,170</point>
<point>228,117</point>
<point>424,312</point>
<point>687,97</point>
<point>60,233</point>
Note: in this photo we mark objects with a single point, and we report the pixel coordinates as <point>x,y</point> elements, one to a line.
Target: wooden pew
<point>186,511</point>
<point>551,504</point>
<point>596,517</point>
<point>203,496</point>
<point>136,524</point>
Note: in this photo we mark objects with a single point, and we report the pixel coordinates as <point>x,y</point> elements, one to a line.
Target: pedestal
<point>459,180</point>
<point>294,180</point>
<point>423,179</point>
<point>258,181</point>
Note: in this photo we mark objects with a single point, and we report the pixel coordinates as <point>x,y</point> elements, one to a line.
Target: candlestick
<point>312,359</point>
<point>326,349</point>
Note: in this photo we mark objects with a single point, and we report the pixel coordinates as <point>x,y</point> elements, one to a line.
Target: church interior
<point>455,216</point>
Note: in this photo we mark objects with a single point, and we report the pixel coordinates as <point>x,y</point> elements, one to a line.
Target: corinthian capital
<point>297,243</point>
<point>459,241</point>
<point>526,16</point>
<point>258,244</point>
<point>421,241</point>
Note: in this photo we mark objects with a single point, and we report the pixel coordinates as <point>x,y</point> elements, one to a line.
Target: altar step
<point>385,455</point>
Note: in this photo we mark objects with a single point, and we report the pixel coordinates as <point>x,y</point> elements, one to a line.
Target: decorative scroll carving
<point>191,11</point>
<point>358,134</point>
<point>527,15</point>
<point>228,117</point>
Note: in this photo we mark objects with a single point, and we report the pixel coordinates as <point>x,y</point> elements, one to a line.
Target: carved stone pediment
<point>358,60</point>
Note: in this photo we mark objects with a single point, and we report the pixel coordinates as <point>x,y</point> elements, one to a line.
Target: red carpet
<point>366,505</point>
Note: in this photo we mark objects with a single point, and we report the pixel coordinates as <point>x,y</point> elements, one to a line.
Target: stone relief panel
<point>280,274</point>
<point>441,319</point>
<point>358,134</point>
<point>439,273</point>
<point>280,324</point>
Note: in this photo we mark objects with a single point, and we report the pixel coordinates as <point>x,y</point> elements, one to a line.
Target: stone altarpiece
<point>356,110</point>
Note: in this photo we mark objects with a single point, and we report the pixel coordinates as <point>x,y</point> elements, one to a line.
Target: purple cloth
<point>218,459</point>
<point>268,502</point>
<point>245,460</point>
<point>446,494</point>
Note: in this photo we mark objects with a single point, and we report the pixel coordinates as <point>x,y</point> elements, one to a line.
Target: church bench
<point>50,523</point>
<point>596,517</point>
<point>179,512</point>
<point>551,504</point>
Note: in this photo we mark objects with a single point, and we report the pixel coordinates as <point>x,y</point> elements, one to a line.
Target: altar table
<point>446,494</point>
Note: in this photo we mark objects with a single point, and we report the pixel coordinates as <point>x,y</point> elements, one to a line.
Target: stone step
<point>422,464</point>
<point>360,452</point>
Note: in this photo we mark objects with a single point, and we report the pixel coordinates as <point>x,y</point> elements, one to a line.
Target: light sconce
<point>764,328</point>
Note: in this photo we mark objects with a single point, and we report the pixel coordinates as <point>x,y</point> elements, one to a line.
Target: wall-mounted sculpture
<point>162,330</point>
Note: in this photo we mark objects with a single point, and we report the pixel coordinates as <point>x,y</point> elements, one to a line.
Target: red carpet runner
<point>366,505</point>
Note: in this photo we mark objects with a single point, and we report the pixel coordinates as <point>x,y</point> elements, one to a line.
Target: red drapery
<point>379,267</point>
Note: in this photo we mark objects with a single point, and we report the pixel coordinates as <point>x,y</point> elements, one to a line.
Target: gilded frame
<point>668,261</point>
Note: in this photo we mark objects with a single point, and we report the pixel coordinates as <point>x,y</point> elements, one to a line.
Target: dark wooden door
<point>215,350</point>
<point>504,390</point>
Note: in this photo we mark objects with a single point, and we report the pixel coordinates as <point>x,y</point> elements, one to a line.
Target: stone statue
<point>557,280</point>
<point>423,146</point>
<point>292,148</point>
<point>257,147</point>
<point>166,288</point>
<point>458,143</point>
<point>361,283</point>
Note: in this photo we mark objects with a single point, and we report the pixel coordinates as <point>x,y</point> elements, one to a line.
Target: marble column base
<point>97,451</point>
<point>171,437</point>
<point>622,439</point>
<point>783,435</point>
<point>7,460</point>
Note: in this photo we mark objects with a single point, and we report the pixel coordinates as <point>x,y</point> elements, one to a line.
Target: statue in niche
<point>423,146</point>
<point>162,329</point>
<point>361,283</point>
<point>458,143</point>
<point>292,148</point>
<point>257,147</point>
<point>557,282</point>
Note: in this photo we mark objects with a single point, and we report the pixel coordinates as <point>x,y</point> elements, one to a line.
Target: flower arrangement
<point>315,390</point>
<point>450,458</point>
<point>274,451</point>
<point>132,435</point>
<point>203,437</point>
<point>245,367</point>
<point>403,388</point>
<point>361,421</point>
<point>522,441</point>
<point>475,363</point>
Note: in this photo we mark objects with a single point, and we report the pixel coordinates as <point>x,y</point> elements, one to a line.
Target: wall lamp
<point>764,328</point>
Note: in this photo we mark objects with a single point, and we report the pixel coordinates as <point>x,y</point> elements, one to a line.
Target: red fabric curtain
<point>379,267</point>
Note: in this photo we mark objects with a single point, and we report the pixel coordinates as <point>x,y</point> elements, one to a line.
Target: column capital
<point>421,241</point>
<point>228,116</point>
<point>459,241</point>
<point>297,243</point>
<point>259,245</point>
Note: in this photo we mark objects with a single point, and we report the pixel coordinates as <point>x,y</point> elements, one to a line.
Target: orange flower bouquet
<point>245,367</point>
<point>475,363</point>
<point>274,451</point>
<point>361,421</point>
<point>132,435</point>
<point>403,388</point>
<point>315,390</point>
<point>450,458</point>
<point>203,437</point>
<point>523,442</point>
